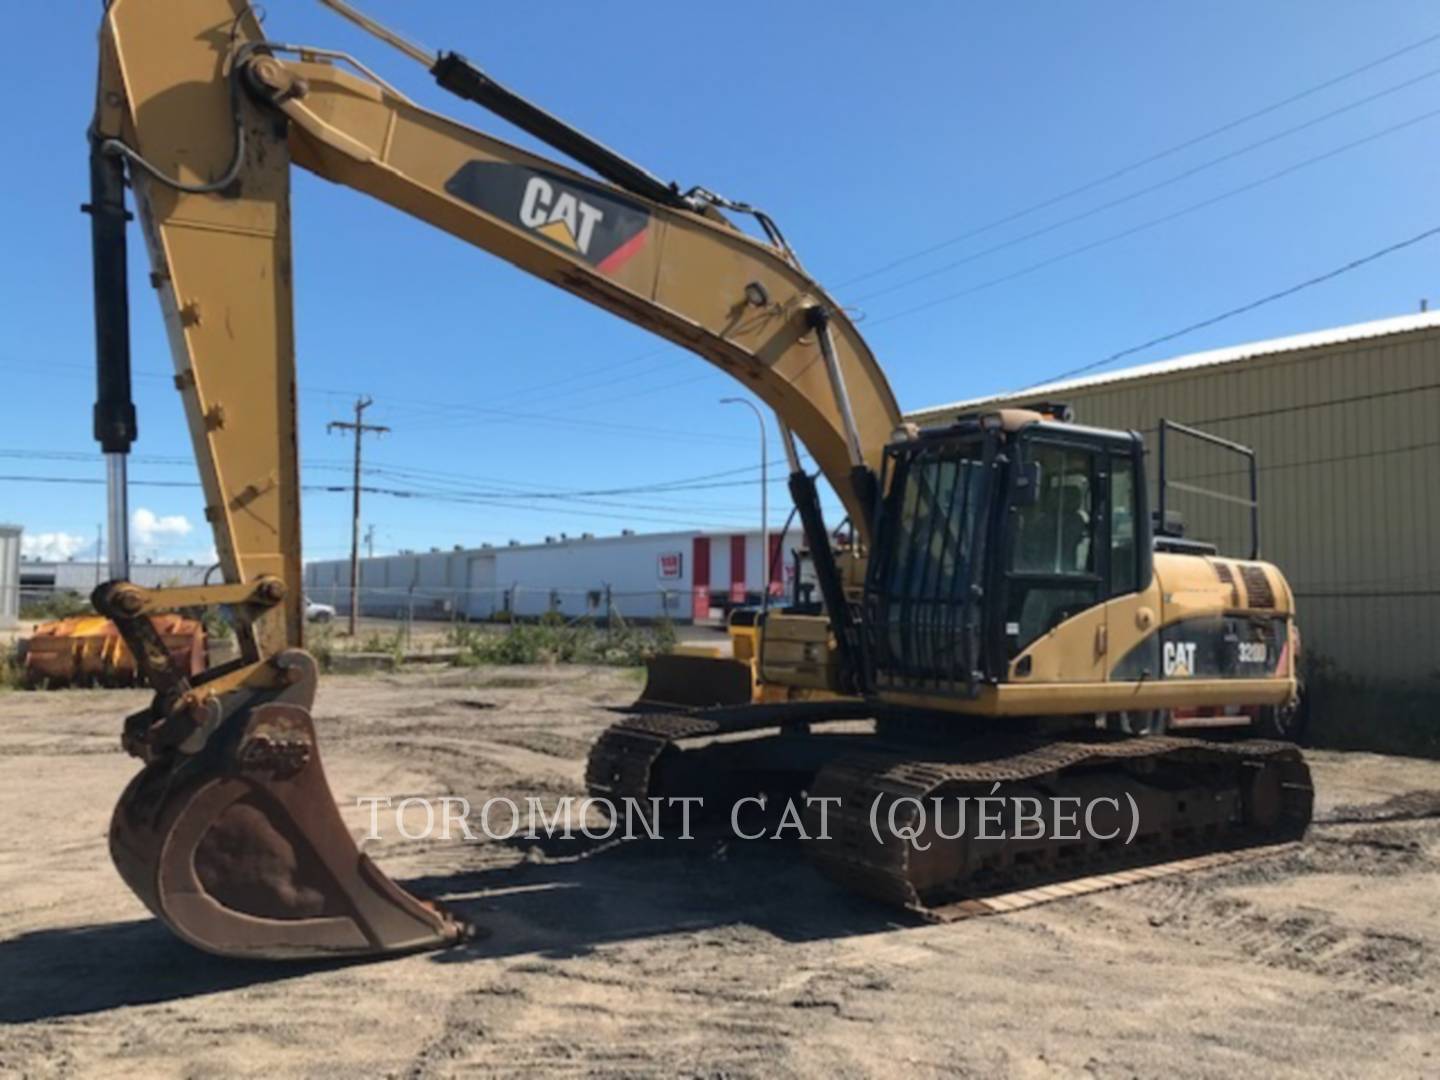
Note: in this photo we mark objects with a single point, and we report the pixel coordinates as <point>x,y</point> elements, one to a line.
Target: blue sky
<point>871,132</point>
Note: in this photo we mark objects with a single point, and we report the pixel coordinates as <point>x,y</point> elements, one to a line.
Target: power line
<point>1063,196</point>
<point>442,408</point>
<point>1152,223</point>
<point>1336,459</point>
<point>681,517</point>
<point>549,385</point>
<point>410,472</point>
<point>1150,160</point>
<point>593,369</point>
<point>1149,189</point>
<point>511,500</point>
<point>451,407</point>
<point>580,506</point>
<point>447,412</point>
<point>96,481</point>
<point>1304,406</point>
<point>700,482</point>
<point>54,368</point>
<point>1329,275</point>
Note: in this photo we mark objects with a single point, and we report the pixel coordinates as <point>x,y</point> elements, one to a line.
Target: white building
<point>684,575</point>
<point>39,579</point>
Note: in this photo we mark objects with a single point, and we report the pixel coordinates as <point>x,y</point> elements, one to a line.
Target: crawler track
<point>1198,803</point>
<point>627,760</point>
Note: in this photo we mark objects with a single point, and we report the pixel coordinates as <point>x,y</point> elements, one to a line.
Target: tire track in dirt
<point>606,1024</point>
<point>1233,909</point>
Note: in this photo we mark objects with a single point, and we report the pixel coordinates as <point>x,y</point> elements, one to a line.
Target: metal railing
<point>1165,483</point>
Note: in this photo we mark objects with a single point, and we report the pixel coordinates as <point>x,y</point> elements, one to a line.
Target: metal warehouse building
<point>1346,426</point>
<point>687,575</point>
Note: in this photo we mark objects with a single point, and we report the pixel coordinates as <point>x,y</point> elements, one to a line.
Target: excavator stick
<point>240,849</point>
<point>230,833</point>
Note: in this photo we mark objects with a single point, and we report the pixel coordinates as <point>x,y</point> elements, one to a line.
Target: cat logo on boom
<point>589,221</point>
<point>561,216</point>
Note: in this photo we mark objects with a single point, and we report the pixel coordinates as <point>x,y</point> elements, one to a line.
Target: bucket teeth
<point>241,851</point>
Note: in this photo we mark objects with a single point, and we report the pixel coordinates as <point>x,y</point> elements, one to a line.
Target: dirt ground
<point>712,961</point>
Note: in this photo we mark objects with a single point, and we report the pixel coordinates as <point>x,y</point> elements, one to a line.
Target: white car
<point>316,612</point>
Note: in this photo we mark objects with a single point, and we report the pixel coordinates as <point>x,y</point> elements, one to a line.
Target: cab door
<point>1132,608</point>
<point>1055,583</point>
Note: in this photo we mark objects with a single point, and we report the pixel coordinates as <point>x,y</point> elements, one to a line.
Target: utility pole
<point>370,541</point>
<point>359,428</point>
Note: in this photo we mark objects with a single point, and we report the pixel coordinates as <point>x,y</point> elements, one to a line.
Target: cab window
<point>1055,535</point>
<point>1053,569</point>
<point>928,567</point>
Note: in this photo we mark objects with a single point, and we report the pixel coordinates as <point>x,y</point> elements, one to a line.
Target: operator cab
<point>993,531</point>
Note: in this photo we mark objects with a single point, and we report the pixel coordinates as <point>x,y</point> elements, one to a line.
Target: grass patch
<point>58,605</point>
<point>375,642</point>
<point>554,642</point>
<point>11,668</point>
<point>320,643</point>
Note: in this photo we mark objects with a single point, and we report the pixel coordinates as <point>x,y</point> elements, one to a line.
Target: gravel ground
<point>708,961</point>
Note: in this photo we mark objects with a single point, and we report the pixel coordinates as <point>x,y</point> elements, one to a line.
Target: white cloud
<point>151,529</point>
<point>51,546</point>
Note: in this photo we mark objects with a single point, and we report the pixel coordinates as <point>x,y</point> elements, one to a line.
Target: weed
<point>60,604</point>
<point>11,673</point>
<point>552,642</point>
<point>217,624</point>
<point>391,644</point>
<point>320,641</point>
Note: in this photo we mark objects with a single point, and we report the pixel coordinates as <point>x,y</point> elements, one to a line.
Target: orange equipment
<point>87,650</point>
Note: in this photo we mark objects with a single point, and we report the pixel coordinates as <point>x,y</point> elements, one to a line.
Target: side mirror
<point>1027,484</point>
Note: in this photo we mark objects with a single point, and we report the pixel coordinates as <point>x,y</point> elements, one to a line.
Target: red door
<point>737,569</point>
<point>700,578</point>
<point>777,567</point>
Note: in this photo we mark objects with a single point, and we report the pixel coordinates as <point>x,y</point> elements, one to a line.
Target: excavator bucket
<point>239,847</point>
<point>692,677</point>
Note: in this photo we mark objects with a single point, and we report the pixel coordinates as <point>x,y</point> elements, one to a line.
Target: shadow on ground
<point>89,969</point>
<point>562,900</point>
<point>571,900</point>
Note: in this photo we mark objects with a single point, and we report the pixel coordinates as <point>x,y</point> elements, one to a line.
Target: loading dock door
<point>700,578</point>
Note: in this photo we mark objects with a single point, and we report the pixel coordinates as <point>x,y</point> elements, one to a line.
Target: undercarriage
<point>978,822</point>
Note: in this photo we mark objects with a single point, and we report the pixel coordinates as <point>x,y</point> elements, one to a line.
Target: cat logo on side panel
<point>1179,657</point>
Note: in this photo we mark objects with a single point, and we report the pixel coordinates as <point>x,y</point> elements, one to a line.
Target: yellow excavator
<point>1006,621</point>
